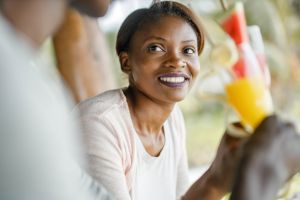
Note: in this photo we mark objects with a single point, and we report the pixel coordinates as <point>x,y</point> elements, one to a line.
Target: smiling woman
<point>135,136</point>
<point>162,64</point>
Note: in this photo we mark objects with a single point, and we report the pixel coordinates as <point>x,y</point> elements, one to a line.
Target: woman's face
<point>163,59</point>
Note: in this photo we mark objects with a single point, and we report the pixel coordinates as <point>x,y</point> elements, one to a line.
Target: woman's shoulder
<point>107,115</point>
<point>105,118</point>
<point>176,115</point>
<point>105,102</point>
<point>176,123</point>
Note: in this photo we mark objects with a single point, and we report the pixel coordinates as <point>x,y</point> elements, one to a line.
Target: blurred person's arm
<point>82,56</point>
<point>270,158</point>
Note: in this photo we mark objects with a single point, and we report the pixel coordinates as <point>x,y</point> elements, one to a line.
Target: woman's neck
<point>147,114</point>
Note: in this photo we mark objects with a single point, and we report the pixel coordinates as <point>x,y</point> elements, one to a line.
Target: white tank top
<point>155,177</point>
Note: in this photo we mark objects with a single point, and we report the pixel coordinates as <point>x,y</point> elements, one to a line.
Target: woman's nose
<point>175,60</point>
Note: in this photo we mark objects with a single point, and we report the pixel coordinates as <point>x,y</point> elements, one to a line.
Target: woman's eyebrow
<point>158,38</point>
<point>154,38</point>
<point>189,41</point>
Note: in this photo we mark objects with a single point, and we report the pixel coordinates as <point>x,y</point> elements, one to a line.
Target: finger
<point>235,143</point>
<point>237,130</point>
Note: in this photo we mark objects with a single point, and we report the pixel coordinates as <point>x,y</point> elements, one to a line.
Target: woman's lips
<point>174,80</point>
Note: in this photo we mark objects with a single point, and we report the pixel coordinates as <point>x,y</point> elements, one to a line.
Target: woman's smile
<point>174,80</point>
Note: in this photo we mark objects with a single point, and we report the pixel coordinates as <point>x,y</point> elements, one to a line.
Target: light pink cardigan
<point>111,147</point>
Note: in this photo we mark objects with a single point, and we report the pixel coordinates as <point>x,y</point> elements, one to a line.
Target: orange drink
<point>251,99</point>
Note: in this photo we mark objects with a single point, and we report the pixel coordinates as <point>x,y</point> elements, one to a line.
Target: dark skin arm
<point>271,156</point>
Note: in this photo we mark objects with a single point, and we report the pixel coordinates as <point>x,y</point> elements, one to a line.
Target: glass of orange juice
<point>251,99</point>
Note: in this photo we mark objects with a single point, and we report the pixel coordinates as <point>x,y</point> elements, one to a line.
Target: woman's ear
<point>124,60</point>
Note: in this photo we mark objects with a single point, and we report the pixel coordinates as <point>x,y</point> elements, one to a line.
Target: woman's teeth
<point>172,79</point>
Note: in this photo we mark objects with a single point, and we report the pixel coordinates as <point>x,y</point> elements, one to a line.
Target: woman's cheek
<point>195,69</point>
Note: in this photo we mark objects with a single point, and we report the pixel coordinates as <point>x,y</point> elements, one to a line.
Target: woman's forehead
<point>166,25</point>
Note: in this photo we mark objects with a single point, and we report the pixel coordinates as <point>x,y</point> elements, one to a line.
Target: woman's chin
<point>177,98</point>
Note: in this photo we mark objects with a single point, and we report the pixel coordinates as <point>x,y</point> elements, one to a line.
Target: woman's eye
<point>155,48</point>
<point>189,50</point>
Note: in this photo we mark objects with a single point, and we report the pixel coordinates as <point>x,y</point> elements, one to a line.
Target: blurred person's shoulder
<point>12,42</point>
<point>15,52</point>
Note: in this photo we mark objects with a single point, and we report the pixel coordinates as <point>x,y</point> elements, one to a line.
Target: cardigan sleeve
<point>104,155</point>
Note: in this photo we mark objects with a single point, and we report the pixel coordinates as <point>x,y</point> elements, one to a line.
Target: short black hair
<point>140,17</point>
